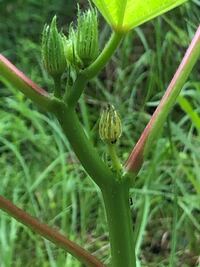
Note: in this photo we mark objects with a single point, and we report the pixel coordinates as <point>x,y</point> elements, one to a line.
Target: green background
<point>39,172</point>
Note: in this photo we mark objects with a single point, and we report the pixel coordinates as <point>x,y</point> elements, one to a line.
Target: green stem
<point>115,194</point>
<point>94,68</point>
<point>57,87</point>
<point>105,55</point>
<point>85,115</point>
<point>114,158</point>
<point>81,145</point>
<point>77,90</point>
<point>116,200</point>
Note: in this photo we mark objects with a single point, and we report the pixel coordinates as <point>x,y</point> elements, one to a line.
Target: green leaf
<point>123,15</point>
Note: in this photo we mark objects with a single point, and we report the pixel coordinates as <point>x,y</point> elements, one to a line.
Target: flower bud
<point>110,128</point>
<point>70,49</point>
<point>53,56</point>
<point>87,45</point>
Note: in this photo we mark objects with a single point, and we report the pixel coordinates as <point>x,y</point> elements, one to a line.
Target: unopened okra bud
<point>53,56</point>
<point>87,37</point>
<point>70,44</point>
<point>110,127</point>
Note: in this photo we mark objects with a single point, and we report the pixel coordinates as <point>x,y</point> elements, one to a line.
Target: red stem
<point>136,158</point>
<point>49,233</point>
<point>22,76</point>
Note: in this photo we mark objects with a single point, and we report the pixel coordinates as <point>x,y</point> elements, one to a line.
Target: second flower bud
<point>81,46</point>
<point>110,128</point>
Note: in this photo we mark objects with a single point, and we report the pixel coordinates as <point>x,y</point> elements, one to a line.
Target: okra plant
<point>79,56</point>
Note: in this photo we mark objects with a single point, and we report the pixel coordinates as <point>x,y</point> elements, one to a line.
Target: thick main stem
<point>116,200</point>
<point>115,193</point>
<point>85,151</point>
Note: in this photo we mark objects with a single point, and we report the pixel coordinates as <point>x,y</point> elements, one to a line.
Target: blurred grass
<point>40,173</point>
